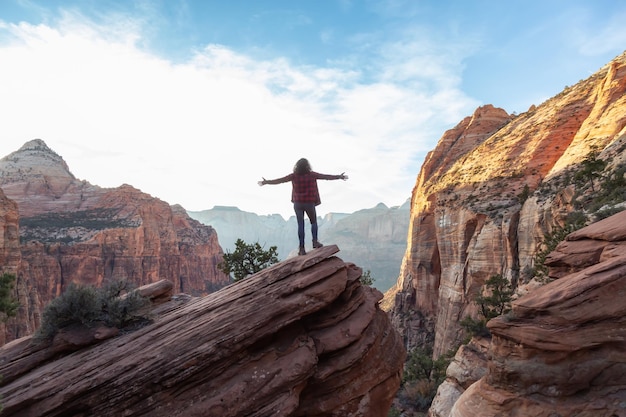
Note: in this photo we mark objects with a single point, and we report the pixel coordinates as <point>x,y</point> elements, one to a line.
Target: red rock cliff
<point>75,232</point>
<point>562,349</point>
<point>489,192</point>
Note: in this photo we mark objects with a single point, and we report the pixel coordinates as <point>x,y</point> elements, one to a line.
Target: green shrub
<point>248,259</point>
<point>422,375</point>
<point>590,169</point>
<point>366,278</point>
<point>8,305</point>
<point>550,242</point>
<point>394,412</point>
<point>523,196</point>
<point>114,305</point>
<point>493,301</point>
<point>474,327</point>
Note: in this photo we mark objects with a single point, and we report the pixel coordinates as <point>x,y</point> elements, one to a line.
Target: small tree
<point>8,305</point>
<point>421,377</point>
<point>493,301</point>
<point>591,169</point>
<point>247,259</point>
<point>550,242</point>
<point>366,278</point>
<point>497,299</point>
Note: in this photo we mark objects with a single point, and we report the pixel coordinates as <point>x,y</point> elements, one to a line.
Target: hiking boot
<point>301,251</point>
<point>317,244</point>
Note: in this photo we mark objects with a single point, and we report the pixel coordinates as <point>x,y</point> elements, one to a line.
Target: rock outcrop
<point>75,232</point>
<point>301,338</point>
<point>490,191</point>
<point>562,349</point>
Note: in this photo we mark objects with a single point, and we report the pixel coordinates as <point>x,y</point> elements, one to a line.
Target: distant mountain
<point>56,230</point>
<point>374,238</point>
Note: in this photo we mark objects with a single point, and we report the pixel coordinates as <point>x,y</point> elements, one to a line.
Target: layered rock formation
<point>72,231</point>
<point>490,191</point>
<point>374,238</point>
<point>9,235</point>
<point>301,338</point>
<point>562,350</point>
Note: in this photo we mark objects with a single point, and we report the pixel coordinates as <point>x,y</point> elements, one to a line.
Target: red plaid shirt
<point>304,186</point>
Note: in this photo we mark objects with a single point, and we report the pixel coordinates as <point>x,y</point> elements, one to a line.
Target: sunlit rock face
<point>562,349</point>
<point>301,338</point>
<point>75,232</point>
<point>488,193</point>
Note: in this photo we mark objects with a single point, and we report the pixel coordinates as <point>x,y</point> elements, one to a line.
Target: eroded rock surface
<point>562,349</point>
<point>301,338</point>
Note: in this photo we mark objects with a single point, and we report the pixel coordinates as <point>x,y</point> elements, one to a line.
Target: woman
<point>305,196</point>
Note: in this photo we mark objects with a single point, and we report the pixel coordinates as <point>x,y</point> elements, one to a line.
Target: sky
<point>194,102</point>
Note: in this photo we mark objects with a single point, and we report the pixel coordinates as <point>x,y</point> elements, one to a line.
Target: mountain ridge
<point>374,238</point>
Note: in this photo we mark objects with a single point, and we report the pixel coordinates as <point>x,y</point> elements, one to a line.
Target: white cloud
<point>201,133</point>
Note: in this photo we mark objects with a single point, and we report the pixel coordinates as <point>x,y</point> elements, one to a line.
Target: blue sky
<point>194,101</point>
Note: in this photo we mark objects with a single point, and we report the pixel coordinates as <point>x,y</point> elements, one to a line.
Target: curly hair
<point>302,166</point>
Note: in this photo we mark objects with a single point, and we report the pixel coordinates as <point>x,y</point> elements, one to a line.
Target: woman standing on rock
<point>305,196</point>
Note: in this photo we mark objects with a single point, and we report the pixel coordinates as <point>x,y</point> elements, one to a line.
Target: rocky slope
<point>373,238</point>
<point>72,231</point>
<point>492,189</point>
<point>562,350</point>
<point>301,338</point>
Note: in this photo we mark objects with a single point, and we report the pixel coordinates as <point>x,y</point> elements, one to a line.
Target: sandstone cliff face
<point>490,191</point>
<point>9,236</point>
<point>75,232</point>
<point>301,338</point>
<point>562,349</point>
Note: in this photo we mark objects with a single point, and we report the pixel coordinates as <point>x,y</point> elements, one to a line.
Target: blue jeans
<point>309,209</point>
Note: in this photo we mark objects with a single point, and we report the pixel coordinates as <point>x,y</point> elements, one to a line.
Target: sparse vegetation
<point>422,376</point>
<point>114,305</point>
<point>493,301</point>
<point>247,259</point>
<point>61,227</point>
<point>591,168</point>
<point>523,196</point>
<point>8,305</point>
<point>366,278</point>
<point>551,240</point>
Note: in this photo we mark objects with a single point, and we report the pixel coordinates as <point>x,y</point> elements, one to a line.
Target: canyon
<point>486,202</point>
<point>58,230</point>
<point>491,190</point>
<point>373,238</point>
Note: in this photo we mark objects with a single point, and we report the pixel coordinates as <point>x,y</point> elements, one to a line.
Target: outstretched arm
<point>341,176</point>
<point>286,178</point>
